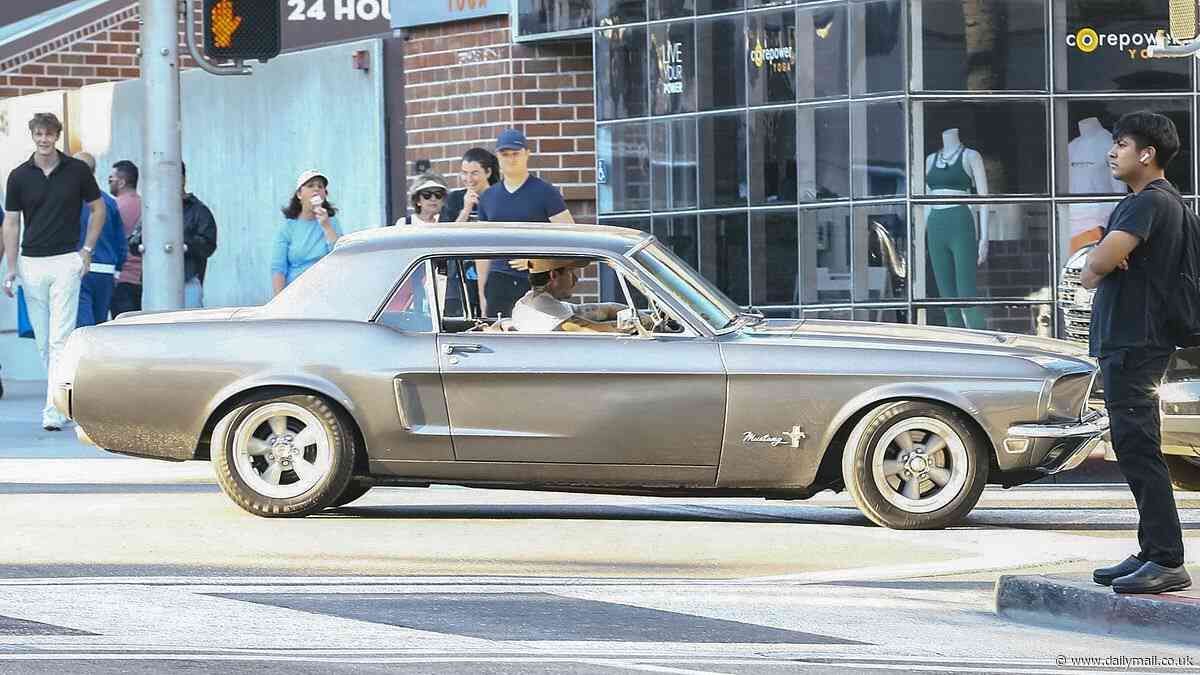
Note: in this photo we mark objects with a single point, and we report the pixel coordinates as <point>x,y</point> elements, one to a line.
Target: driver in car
<point>543,309</point>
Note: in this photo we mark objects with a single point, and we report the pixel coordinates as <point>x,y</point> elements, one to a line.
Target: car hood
<point>934,337</point>
<point>184,315</point>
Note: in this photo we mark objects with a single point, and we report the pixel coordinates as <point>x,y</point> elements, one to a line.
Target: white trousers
<point>52,293</point>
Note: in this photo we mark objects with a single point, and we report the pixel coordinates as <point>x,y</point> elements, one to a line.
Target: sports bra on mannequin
<point>949,174</point>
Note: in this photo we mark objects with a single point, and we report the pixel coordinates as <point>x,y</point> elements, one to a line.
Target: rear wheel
<point>283,456</point>
<point>1185,472</point>
<point>913,465</point>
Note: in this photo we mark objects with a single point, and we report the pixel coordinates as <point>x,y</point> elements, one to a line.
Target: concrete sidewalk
<point>31,455</point>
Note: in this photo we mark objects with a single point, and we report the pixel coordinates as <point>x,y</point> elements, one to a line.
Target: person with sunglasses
<point>428,194</point>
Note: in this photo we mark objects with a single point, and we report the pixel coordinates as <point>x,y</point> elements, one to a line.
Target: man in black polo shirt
<point>1132,271</point>
<point>49,192</point>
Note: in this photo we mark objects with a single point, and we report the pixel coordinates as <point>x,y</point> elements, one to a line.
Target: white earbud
<point>1145,157</point>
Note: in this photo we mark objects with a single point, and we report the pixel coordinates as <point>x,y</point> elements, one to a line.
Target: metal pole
<point>162,197</point>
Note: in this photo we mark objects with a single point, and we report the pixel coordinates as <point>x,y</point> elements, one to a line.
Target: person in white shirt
<point>543,309</point>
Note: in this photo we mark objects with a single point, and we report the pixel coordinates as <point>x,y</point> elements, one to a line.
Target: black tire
<point>961,466</point>
<point>1185,472</point>
<point>353,491</point>
<point>266,488</point>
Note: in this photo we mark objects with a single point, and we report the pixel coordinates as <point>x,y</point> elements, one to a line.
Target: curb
<point>1077,604</point>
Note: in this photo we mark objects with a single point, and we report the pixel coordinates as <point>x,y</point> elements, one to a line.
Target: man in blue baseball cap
<point>518,198</point>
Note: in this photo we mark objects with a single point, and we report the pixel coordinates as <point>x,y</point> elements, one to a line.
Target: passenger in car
<point>543,309</point>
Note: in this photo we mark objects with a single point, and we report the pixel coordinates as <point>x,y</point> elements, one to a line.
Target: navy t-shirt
<point>1129,310</point>
<point>534,202</point>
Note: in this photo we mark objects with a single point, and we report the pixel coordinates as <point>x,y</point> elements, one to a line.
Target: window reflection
<point>1085,61</point>
<point>1085,137</point>
<point>671,9</point>
<point>714,6</point>
<point>879,139</point>
<point>775,261</point>
<point>1020,319</point>
<point>773,157</point>
<point>551,16</point>
<point>823,139</point>
<point>623,167</point>
<point>880,253</point>
<point>981,45</point>
<point>771,46</point>
<point>877,59</point>
<point>724,254</point>
<point>723,160</point>
<point>673,71</point>
<point>821,52</point>
<point>615,12</point>
<point>977,147</point>
<point>721,62</point>
<point>674,164</point>
<point>679,233</point>
<point>825,255</point>
<point>621,63</point>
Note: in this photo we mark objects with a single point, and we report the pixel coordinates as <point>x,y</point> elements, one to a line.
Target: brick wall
<point>465,83</point>
<point>102,51</point>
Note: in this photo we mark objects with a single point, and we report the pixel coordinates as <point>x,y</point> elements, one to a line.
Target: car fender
<point>298,380</point>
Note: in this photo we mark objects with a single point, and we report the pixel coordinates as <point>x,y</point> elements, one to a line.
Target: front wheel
<point>913,465</point>
<point>282,456</point>
<point>1185,472</point>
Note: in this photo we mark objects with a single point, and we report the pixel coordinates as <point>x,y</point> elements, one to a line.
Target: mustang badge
<point>794,438</point>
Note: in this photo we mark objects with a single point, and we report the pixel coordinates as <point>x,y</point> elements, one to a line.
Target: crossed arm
<point>1112,253</point>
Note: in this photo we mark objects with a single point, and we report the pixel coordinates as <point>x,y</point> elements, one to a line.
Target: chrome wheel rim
<point>920,465</point>
<point>282,451</point>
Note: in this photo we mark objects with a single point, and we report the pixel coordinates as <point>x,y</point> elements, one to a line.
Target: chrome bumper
<point>1053,448</point>
<point>62,399</point>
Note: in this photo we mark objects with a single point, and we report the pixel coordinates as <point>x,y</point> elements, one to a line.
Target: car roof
<point>484,237</point>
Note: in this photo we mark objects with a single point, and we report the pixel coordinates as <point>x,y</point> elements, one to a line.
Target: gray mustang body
<point>309,400</point>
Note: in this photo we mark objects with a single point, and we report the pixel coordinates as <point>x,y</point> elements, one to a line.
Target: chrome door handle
<point>462,349</point>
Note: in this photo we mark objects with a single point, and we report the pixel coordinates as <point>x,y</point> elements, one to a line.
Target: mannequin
<point>954,247</point>
<point>1089,174</point>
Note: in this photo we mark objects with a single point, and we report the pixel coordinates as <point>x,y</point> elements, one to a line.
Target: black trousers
<point>1131,377</point>
<point>502,291</point>
<point>126,298</point>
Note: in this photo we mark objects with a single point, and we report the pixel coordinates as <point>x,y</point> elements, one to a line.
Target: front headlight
<point>1068,395</point>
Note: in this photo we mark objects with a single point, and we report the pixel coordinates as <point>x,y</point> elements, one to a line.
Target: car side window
<point>409,308</point>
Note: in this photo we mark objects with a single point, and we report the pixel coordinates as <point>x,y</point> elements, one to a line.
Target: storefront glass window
<point>724,253</point>
<point>1101,46</point>
<point>617,12</point>
<point>774,255</point>
<point>878,152</point>
<point>773,157</point>
<point>771,45</point>
<point>1085,136</point>
<point>622,61</point>
<point>980,147</point>
<point>825,255</point>
<point>1011,262</point>
<point>673,71</point>
<point>877,49</point>
<point>552,16</point>
<point>880,253</point>
<point>723,179</point>
<point>981,45</point>
<point>681,235</point>
<point>721,62</point>
<point>1079,226</point>
<point>823,139</point>
<point>671,9</point>
<point>822,57</point>
<point>623,167</point>
<point>1019,319</point>
<point>715,6</point>
<point>674,157</point>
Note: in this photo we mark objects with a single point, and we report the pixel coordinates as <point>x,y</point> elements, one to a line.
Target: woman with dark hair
<point>480,170</point>
<point>308,231</point>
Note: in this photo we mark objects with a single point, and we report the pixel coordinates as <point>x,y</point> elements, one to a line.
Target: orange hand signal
<point>224,23</point>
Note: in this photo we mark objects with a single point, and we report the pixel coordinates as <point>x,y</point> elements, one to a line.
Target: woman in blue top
<point>307,234</point>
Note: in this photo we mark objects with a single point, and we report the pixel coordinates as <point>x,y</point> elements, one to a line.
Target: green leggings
<point>953,251</point>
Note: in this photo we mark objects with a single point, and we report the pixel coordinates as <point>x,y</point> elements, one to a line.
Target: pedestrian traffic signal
<point>239,30</point>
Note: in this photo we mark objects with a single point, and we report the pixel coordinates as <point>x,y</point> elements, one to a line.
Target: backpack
<point>1183,301</point>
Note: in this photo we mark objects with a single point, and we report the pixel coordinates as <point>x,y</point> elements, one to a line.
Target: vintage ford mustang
<point>377,367</point>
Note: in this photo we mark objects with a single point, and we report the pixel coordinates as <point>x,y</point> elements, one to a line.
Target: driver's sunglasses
<point>432,194</point>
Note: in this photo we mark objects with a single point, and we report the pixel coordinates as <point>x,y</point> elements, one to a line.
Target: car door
<point>583,398</point>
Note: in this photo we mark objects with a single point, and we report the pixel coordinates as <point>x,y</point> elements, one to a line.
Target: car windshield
<point>688,287</point>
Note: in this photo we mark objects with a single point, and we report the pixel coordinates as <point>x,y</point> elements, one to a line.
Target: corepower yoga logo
<point>1134,45</point>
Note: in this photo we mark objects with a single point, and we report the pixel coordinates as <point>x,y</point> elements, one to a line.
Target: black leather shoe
<point>1105,575</point>
<point>1153,578</point>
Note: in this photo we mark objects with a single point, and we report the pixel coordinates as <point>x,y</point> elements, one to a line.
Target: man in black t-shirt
<point>1132,270</point>
<point>518,198</point>
<point>49,191</point>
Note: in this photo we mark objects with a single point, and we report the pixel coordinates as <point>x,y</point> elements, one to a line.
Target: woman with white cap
<point>308,232</point>
<point>428,193</point>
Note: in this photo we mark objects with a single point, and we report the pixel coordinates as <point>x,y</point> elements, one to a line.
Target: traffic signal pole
<point>162,194</point>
